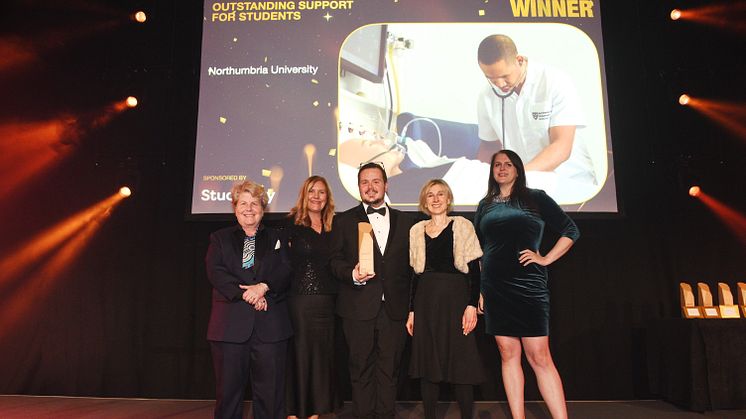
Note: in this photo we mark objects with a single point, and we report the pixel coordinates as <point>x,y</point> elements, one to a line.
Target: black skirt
<point>311,379</point>
<point>440,351</point>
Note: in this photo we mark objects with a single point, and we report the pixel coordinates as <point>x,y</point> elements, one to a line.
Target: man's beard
<point>375,203</point>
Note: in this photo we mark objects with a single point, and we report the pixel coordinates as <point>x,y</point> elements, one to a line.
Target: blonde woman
<point>444,252</point>
<point>312,388</point>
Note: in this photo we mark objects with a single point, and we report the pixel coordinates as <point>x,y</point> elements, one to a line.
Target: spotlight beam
<point>30,148</point>
<point>14,52</point>
<point>729,115</point>
<point>43,243</point>
<point>721,15</point>
<point>733,219</point>
<point>112,110</point>
<point>18,52</point>
<point>43,282</point>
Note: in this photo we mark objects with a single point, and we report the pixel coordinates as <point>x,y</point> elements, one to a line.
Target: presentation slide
<point>294,88</point>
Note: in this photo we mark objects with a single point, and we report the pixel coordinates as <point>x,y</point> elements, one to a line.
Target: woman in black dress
<point>515,297</point>
<point>444,253</point>
<point>311,379</point>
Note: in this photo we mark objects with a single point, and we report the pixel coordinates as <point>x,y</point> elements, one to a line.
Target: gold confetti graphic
<point>309,150</point>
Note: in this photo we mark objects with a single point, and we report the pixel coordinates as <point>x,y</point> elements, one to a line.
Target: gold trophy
<point>727,309</point>
<point>365,248</point>
<point>688,308</point>
<point>705,301</point>
<point>742,297</point>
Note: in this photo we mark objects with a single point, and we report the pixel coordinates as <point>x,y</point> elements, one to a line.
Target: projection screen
<point>294,88</point>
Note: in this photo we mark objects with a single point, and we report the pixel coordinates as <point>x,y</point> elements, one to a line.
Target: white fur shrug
<point>465,245</point>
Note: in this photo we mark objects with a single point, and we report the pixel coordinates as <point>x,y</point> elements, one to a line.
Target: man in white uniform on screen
<point>534,111</point>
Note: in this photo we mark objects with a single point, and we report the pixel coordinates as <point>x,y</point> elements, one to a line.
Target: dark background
<point>128,317</point>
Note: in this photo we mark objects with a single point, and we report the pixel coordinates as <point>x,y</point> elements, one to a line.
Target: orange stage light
<point>140,16</point>
<point>684,99</point>
<point>14,52</point>
<point>730,115</point>
<point>39,284</point>
<point>733,219</point>
<point>113,109</point>
<point>675,14</point>
<point>29,148</point>
<point>54,237</point>
<point>125,191</point>
<point>695,191</point>
<point>726,16</point>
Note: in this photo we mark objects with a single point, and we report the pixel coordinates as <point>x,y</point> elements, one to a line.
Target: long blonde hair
<point>299,212</point>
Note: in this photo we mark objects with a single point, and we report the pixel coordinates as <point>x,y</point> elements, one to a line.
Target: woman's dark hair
<point>520,194</point>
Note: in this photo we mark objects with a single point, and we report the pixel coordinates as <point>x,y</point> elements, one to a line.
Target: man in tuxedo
<point>373,306</point>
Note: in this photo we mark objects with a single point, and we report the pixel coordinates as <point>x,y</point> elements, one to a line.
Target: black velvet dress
<point>440,351</point>
<point>516,297</point>
<point>311,379</point>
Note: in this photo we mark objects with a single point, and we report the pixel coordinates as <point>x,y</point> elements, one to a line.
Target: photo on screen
<point>433,132</point>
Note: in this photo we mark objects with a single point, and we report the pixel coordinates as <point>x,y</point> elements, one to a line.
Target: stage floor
<point>87,407</point>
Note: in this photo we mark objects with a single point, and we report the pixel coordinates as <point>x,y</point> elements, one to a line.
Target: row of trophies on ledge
<point>706,309</point>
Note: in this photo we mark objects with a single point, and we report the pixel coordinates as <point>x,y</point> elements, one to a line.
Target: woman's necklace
<point>434,228</point>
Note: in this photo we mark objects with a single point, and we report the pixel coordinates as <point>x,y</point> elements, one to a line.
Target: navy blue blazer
<point>231,318</point>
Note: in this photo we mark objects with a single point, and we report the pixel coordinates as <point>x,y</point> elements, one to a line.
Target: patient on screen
<point>355,152</point>
<point>428,148</point>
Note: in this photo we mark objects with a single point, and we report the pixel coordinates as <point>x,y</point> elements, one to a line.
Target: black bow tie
<point>381,210</point>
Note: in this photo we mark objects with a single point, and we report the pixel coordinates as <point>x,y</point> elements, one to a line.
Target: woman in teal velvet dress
<point>514,297</point>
